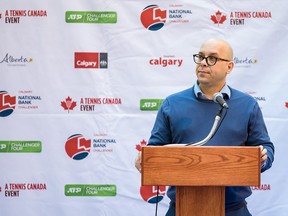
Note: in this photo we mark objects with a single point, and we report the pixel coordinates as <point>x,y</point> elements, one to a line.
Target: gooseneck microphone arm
<point>217,98</point>
<point>212,131</point>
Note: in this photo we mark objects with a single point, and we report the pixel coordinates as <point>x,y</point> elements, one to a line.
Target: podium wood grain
<point>200,174</point>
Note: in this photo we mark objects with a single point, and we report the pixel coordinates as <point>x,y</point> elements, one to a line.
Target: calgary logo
<point>77,147</point>
<point>149,193</point>
<point>68,104</point>
<point>7,104</point>
<point>218,18</point>
<point>91,60</point>
<point>153,18</point>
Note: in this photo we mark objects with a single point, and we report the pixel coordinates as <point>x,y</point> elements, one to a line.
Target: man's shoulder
<point>184,93</point>
<point>238,93</point>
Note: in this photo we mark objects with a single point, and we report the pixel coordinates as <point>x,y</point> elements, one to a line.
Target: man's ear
<point>230,67</point>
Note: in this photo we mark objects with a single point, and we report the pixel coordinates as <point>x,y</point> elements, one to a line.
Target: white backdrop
<point>69,134</point>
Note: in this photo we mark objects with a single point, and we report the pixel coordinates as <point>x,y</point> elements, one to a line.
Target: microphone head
<point>218,98</point>
<point>216,95</point>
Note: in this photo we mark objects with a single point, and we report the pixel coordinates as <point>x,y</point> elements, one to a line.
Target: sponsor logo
<point>28,100</point>
<point>262,187</point>
<point>90,60</point>
<point>7,104</point>
<point>244,62</point>
<point>68,104</point>
<point>149,193</point>
<point>13,189</point>
<point>78,148</point>
<point>166,61</point>
<point>150,104</point>
<point>90,190</point>
<point>154,18</point>
<point>88,104</point>
<point>17,146</point>
<point>239,17</point>
<point>11,60</point>
<point>103,17</point>
<point>218,18</point>
<point>15,16</point>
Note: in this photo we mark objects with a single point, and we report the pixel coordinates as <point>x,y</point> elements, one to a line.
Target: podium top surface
<point>201,166</point>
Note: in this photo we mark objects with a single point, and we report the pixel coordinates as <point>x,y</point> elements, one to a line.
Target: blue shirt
<point>185,118</point>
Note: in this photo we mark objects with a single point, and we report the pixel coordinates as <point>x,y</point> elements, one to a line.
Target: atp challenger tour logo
<point>18,146</point>
<point>90,190</point>
<point>149,193</point>
<point>150,104</point>
<point>91,17</point>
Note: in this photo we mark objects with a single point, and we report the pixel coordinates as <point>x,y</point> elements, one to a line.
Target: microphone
<point>218,98</point>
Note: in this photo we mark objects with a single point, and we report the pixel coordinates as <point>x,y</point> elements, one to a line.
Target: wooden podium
<point>200,174</point>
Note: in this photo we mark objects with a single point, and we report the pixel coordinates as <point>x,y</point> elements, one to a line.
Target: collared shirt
<point>199,94</point>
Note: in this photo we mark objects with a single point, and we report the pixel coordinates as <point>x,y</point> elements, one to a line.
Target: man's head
<point>212,71</point>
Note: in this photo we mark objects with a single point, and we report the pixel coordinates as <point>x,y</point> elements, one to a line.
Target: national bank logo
<point>153,17</point>
<point>90,60</point>
<point>7,104</point>
<point>149,193</point>
<point>77,147</point>
<point>95,17</point>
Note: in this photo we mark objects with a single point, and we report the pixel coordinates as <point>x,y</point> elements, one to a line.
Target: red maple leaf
<point>286,104</point>
<point>219,18</point>
<point>139,146</point>
<point>68,104</point>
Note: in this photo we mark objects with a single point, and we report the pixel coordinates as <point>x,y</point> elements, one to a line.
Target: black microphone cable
<point>157,198</point>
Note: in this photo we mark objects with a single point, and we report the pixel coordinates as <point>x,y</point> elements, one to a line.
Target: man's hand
<point>138,162</point>
<point>263,155</point>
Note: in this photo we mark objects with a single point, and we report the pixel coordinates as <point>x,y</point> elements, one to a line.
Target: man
<point>187,116</point>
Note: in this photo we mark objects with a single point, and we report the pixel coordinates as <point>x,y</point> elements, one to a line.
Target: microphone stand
<point>209,136</point>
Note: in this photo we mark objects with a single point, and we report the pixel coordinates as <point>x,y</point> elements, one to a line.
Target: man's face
<point>213,76</point>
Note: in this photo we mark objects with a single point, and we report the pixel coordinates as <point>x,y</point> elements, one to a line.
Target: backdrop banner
<point>81,83</point>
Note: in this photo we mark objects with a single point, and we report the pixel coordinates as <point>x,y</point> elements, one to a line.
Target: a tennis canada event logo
<point>7,104</point>
<point>218,18</point>
<point>91,60</point>
<point>153,18</point>
<point>77,147</point>
<point>149,193</point>
<point>68,104</point>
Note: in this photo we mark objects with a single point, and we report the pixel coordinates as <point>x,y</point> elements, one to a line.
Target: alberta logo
<point>7,104</point>
<point>12,60</point>
<point>77,147</point>
<point>149,193</point>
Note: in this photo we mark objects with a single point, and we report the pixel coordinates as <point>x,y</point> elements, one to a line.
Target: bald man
<point>187,117</point>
